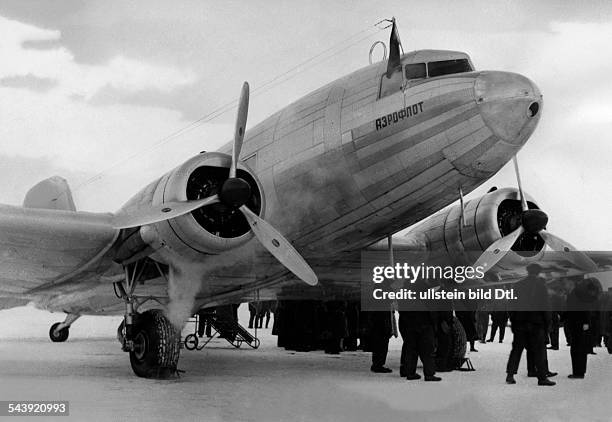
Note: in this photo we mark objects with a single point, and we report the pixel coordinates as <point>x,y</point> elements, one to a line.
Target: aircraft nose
<point>510,105</point>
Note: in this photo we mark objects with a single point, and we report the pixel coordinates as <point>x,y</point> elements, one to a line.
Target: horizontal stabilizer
<point>52,194</point>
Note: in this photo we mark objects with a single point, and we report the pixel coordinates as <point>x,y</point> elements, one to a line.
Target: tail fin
<point>52,193</point>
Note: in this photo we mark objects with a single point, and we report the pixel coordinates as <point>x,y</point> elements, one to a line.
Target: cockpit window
<point>416,71</point>
<point>447,67</point>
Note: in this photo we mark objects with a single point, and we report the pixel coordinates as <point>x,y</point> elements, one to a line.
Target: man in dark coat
<point>352,325</point>
<point>482,318</point>
<point>466,314</point>
<point>529,325</point>
<point>444,333</point>
<point>335,327</point>
<point>557,305</point>
<point>253,313</point>
<point>379,333</point>
<point>500,320</point>
<point>417,330</point>
<point>580,303</point>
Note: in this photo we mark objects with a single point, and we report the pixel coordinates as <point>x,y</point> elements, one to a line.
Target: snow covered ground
<point>223,383</point>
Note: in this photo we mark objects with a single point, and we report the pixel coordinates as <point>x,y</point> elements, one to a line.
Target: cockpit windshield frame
<point>415,71</point>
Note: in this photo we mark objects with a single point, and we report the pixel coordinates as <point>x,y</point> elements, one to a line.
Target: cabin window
<point>416,71</point>
<point>447,67</point>
<point>393,84</point>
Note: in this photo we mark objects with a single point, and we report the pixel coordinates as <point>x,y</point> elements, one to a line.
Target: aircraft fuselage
<point>342,168</point>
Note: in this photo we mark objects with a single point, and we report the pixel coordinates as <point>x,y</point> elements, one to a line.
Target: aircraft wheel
<point>61,335</point>
<point>191,342</point>
<point>156,346</point>
<point>459,341</point>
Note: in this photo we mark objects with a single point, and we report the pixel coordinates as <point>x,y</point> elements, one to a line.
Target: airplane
<point>335,172</point>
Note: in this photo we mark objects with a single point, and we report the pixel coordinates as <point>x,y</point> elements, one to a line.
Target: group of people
<point>439,337</point>
<point>337,326</point>
<point>533,324</point>
<point>260,310</point>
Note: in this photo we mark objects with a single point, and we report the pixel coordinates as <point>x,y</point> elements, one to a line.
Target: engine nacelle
<point>487,219</point>
<point>209,230</point>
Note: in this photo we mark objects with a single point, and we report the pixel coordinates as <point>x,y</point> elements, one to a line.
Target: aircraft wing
<point>63,255</point>
<point>40,248</point>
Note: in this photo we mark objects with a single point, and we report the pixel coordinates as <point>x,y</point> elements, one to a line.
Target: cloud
<point>75,79</point>
<point>51,125</point>
<point>28,81</point>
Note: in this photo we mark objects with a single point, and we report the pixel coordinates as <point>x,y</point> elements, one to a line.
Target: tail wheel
<point>156,346</point>
<point>459,339</point>
<point>59,336</point>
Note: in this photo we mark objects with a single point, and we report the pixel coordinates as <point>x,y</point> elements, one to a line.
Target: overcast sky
<point>98,86</point>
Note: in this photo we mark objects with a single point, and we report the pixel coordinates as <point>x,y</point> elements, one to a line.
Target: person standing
<point>578,319</point>
<point>482,318</point>
<point>335,327</point>
<point>417,330</point>
<point>204,325</point>
<point>380,333</point>
<point>444,341</point>
<point>352,325</point>
<point>557,306</point>
<point>467,318</point>
<point>253,313</point>
<point>445,321</point>
<point>529,325</point>
<point>500,321</point>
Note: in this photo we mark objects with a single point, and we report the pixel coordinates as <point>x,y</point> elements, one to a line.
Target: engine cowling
<point>487,219</point>
<point>209,230</point>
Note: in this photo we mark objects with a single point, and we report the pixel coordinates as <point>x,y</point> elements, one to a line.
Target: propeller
<point>280,247</point>
<point>234,193</point>
<point>533,222</point>
<point>159,213</point>
<point>241,118</point>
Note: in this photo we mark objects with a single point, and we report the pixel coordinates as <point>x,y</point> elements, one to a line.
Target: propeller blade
<point>520,186</point>
<point>280,247</point>
<point>497,250</point>
<point>241,120</point>
<point>576,257</point>
<point>157,213</point>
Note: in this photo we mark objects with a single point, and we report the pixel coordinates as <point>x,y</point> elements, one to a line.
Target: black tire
<point>62,334</point>
<point>191,342</point>
<point>459,339</point>
<point>156,346</point>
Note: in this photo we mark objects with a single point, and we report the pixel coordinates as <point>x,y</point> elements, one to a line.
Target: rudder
<point>52,193</point>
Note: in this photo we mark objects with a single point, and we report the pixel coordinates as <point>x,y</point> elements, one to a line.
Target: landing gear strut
<point>59,331</point>
<point>151,340</point>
